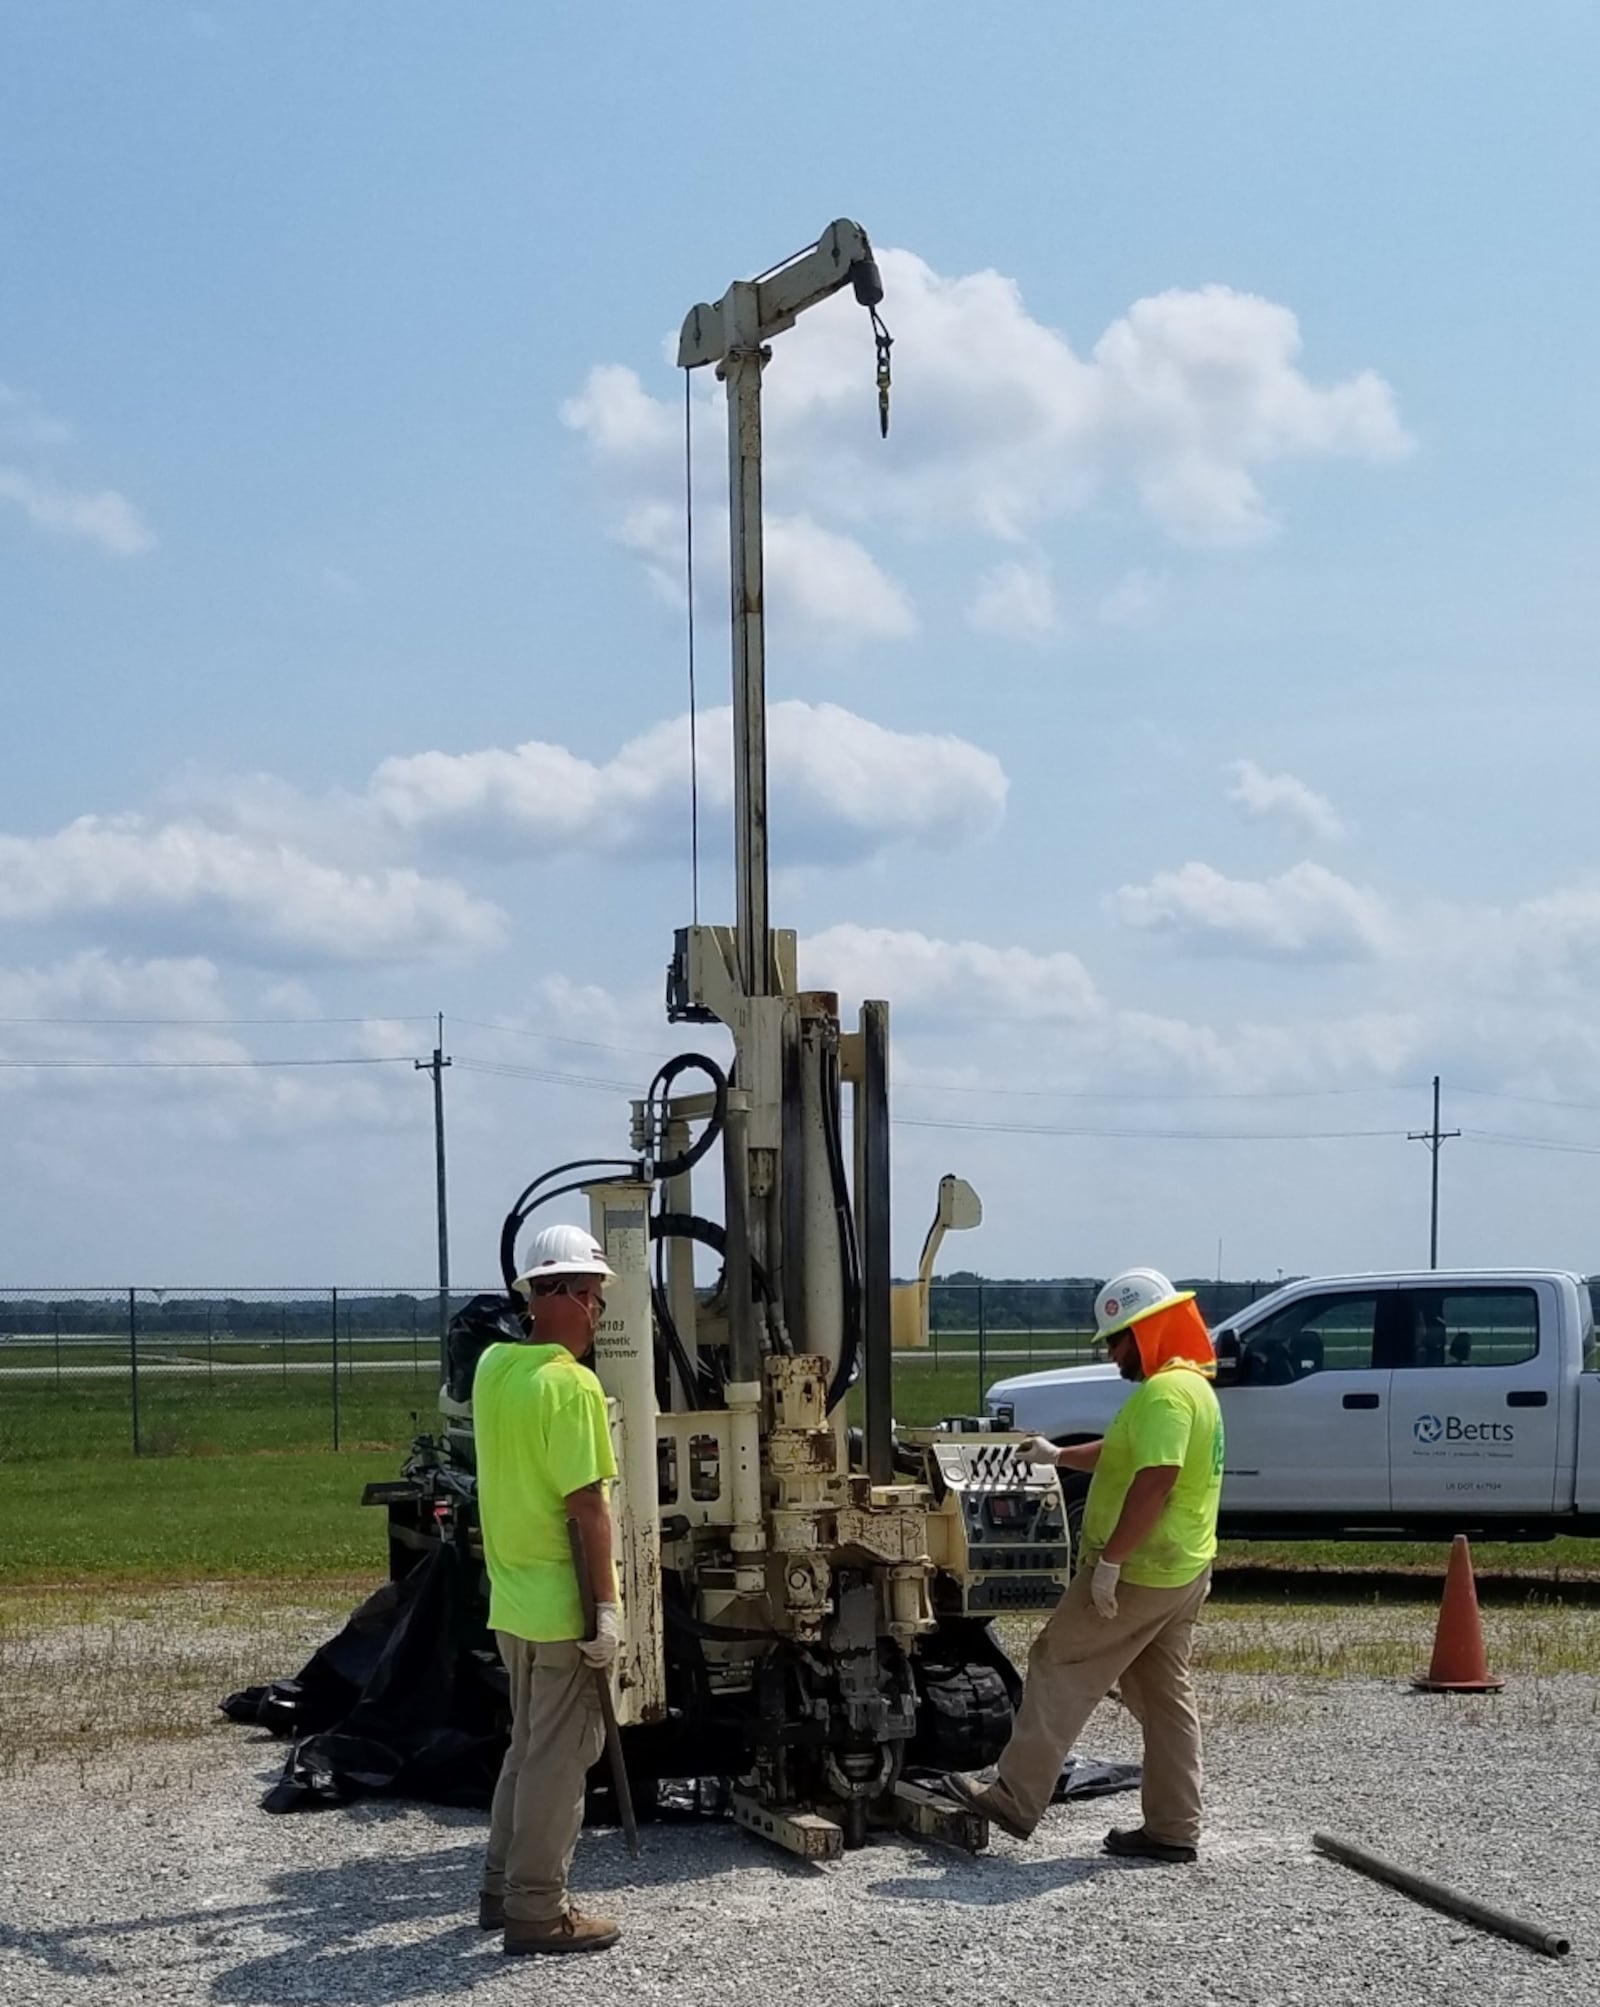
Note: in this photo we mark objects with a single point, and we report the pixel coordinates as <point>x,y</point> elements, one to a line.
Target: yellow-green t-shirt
<point>540,1425</point>
<point>1172,1418</point>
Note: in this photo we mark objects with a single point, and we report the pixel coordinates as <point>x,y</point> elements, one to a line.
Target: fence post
<point>55,1314</point>
<point>283,1339</point>
<point>983,1346</point>
<point>336,1369</point>
<point>133,1365</point>
<point>211,1370</point>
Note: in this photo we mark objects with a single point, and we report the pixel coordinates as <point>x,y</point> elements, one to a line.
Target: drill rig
<point>806,1606</point>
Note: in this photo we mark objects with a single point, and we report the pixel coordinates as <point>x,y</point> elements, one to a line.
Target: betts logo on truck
<point>1431,1429</point>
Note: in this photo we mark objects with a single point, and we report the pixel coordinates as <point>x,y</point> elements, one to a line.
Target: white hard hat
<point>1132,1295</point>
<point>562,1250</point>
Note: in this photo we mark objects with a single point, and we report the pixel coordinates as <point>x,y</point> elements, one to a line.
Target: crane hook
<point>884,341</point>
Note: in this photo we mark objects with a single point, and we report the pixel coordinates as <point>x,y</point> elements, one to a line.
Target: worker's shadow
<point>970,1879</point>
<point>333,1934</point>
<point>319,1933</point>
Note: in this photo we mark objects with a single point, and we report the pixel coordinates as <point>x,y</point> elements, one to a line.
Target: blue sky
<point>1187,712</point>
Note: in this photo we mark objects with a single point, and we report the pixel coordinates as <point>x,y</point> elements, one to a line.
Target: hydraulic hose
<point>691,1062</point>
<point>527,1203</point>
<point>849,1246</point>
<point>708,1233</point>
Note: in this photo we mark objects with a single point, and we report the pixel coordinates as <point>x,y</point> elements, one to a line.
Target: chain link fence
<point>980,1332</point>
<point>147,1372</point>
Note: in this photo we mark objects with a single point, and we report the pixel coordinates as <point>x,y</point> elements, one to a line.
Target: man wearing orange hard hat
<point>1144,1569</point>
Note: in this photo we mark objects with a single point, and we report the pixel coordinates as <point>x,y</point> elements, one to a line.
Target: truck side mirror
<point>1227,1348</point>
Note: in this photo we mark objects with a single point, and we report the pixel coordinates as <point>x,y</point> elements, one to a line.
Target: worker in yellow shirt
<point>544,1455</point>
<point>1144,1569</point>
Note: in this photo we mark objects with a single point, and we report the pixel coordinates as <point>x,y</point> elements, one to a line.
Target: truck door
<point>1307,1418</point>
<point>1476,1414</point>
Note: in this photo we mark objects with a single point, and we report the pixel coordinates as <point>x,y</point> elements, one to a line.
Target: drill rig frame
<point>806,1607</point>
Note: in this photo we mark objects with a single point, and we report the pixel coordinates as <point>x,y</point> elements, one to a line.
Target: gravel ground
<point>131,1883</point>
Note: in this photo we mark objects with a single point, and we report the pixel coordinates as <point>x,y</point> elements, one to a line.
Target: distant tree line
<point>1062,1303</point>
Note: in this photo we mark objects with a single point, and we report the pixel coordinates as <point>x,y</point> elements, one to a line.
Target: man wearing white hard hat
<point>544,1455</point>
<point>1144,1569</point>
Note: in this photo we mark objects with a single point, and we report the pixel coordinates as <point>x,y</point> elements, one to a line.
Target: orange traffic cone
<point>1459,1665</point>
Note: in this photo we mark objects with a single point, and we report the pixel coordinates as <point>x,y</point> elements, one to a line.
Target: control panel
<point>1009,1541</point>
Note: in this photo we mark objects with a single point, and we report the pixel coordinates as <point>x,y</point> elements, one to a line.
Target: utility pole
<point>1433,1138</point>
<point>436,1067</point>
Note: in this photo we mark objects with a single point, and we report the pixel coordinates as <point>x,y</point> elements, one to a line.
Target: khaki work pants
<point>556,1733</point>
<point>1076,1660</point>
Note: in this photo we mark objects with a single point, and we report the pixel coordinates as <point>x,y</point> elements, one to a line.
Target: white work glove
<point>1103,1587</point>
<point>600,1651</point>
<point>1035,1449</point>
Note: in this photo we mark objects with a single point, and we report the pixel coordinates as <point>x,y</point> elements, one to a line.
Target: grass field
<point>298,1517</point>
<point>201,1400</point>
<point>189,1405</point>
<point>151,1520</point>
<point>263,1496</point>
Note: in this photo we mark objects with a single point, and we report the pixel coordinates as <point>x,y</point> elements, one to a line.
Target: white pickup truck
<point>1413,1406</point>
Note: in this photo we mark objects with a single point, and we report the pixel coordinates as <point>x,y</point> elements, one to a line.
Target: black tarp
<point>409,1700</point>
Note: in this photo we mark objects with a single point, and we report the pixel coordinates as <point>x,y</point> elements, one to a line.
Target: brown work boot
<point>980,1798</point>
<point>572,1932</point>
<point>491,1911</point>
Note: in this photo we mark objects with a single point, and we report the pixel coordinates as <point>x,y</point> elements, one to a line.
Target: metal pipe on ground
<point>1551,1942</point>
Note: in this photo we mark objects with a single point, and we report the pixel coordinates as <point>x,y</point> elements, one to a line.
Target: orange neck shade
<point>1175,1337</point>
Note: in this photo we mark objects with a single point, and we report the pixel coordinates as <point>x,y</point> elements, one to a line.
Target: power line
<point>1151,1093</point>
<point>1151,1135</point>
<point>1526,1100</point>
<point>187,1065</point>
<point>1512,1142</point>
<point>544,1075</point>
<point>372,1017</point>
<point>559,1038</point>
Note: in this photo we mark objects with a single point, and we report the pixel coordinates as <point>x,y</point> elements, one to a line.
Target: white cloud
<point>100,516</point>
<point>1307,911</point>
<point>1544,947</point>
<point>1135,601</point>
<point>100,1059</point>
<point>621,420</point>
<point>839,786</point>
<point>825,586</point>
<point>1284,799</point>
<point>1017,601</point>
<point>965,979</point>
<point>93,984</point>
<point>829,583</point>
<point>1184,402</point>
<point>265,901</point>
<point>25,423</point>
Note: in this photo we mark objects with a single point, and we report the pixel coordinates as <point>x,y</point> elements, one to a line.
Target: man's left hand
<point>1103,1587</point>
<point>600,1651</point>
